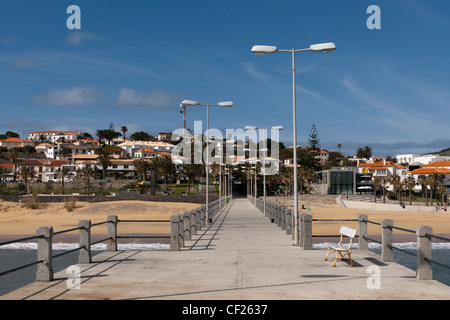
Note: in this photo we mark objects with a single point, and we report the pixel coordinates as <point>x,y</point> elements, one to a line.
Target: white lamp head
<point>260,50</point>
<point>277,128</point>
<point>226,104</point>
<point>189,103</point>
<point>250,128</point>
<point>323,47</point>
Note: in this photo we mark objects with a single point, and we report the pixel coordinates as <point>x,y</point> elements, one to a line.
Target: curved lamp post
<point>224,104</point>
<point>321,47</point>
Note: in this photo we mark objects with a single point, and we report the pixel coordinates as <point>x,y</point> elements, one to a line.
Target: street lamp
<point>264,156</point>
<point>224,104</point>
<point>321,47</point>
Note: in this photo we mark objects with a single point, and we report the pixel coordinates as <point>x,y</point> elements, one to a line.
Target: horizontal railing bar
<point>20,240</point>
<point>149,237</point>
<point>99,223</point>
<point>437,237</point>
<point>98,241</point>
<point>402,250</point>
<point>326,235</point>
<point>68,230</point>
<point>438,263</point>
<point>370,239</point>
<point>21,267</point>
<point>334,219</point>
<point>66,252</point>
<point>143,220</point>
<point>373,222</point>
<point>403,229</point>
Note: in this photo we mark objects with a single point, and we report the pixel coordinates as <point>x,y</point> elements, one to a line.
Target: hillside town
<point>52,156</point>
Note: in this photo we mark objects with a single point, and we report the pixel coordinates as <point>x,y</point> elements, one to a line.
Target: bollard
<point>112,233</point>
<point>181,230</point>
<point>362,232</point>
<point>301,229</point>
<point>175,234</point>
<point>186,226</point>
<point>203,216</point>
<point>193,223</point>
<point>307,234</point>
<point>288,221</point>
<point>85,241</point>
<point>279,214</point>
<point>387,254</point>
<point>283,218</point>
<point>423,270</point>
<point>45,268</point>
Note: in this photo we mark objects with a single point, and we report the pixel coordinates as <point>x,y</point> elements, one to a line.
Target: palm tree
<point>165,167</point>
<point>63,173</point>
<point>13,155</point>
<point>124,129</point>
<point>27,173</point>
<point>191,171</point>
<point>104,160</point>
<point>384,182</point>
<point>142,167</point>
<point>410,183</point>
<point>422,180</point>
<point>431,181</point>
<point>86,173</point>
<point>395,181</point>
<point>310,176</point>
<point>376,183</point>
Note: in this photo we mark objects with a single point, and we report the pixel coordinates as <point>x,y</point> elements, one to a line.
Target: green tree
<point>105,160</point>
<point>191,171</point>
<point>124,130</point>
<point>142,167</point>
<point>376,183</point>
<point>63,173</point>
<point>27,173</point>
<point>410,183</point>
<point>314,143</point>
<point>86,174</point>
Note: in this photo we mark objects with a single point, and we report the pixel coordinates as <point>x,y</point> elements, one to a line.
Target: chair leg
<point>351,261</point>
<point>327,254</point>
<point>337,258</point>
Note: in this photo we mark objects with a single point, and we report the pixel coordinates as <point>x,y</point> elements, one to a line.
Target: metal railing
<point>182,227</point>
<point>283,217</point>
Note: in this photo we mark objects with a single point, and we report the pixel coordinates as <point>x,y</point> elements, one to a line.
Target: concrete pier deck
<point>240,256</point>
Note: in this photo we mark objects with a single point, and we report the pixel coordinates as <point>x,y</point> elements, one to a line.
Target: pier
<point>240,255</point>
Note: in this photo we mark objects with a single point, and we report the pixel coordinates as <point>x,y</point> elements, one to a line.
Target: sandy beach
<point>326,208</point>
<point>17,221</point>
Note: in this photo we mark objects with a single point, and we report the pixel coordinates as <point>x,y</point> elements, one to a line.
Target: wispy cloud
<point>76,96</point>
<point>78,37</point>
<point>152,100</point>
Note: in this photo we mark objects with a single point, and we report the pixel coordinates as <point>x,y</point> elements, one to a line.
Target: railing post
<point>283,218</point>
<point>288,221</point>
<point>424,270</point>
<point>186,226</point>
<point>45,268</point>
<point>362,231</point>
<point>181,230</point>
<point>85,241</point>
<point>112,233</point>
<point>387,254</point>
<point>307,234</point>
<point>193,223</point>
<point>203,216</point>
<point>301,229</point>
<point>175,234</point>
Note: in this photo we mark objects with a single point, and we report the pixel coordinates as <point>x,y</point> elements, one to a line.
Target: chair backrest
<point>346,231</point>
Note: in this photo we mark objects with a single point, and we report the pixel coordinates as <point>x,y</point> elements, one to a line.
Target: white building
<point>132,146</point>
<point>423,159</point>
<point>53,135</point>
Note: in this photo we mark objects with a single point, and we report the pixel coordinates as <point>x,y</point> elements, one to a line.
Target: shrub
<point>70,204</point>
<point>31,201</point>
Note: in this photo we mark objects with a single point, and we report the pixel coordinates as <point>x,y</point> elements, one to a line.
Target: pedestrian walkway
<point>241,255</point>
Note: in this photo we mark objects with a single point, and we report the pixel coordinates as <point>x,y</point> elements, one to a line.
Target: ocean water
<point>18,254</point>
<point>440,253</point>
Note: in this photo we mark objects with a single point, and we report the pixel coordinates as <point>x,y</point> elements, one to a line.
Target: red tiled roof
<point>431,171</point>
<point>437,164</point>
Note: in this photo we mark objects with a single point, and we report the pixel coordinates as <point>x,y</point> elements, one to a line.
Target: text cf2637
<point>231,309</point>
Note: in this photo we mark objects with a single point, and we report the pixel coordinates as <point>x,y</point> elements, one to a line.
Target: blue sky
<point>133,62</point>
